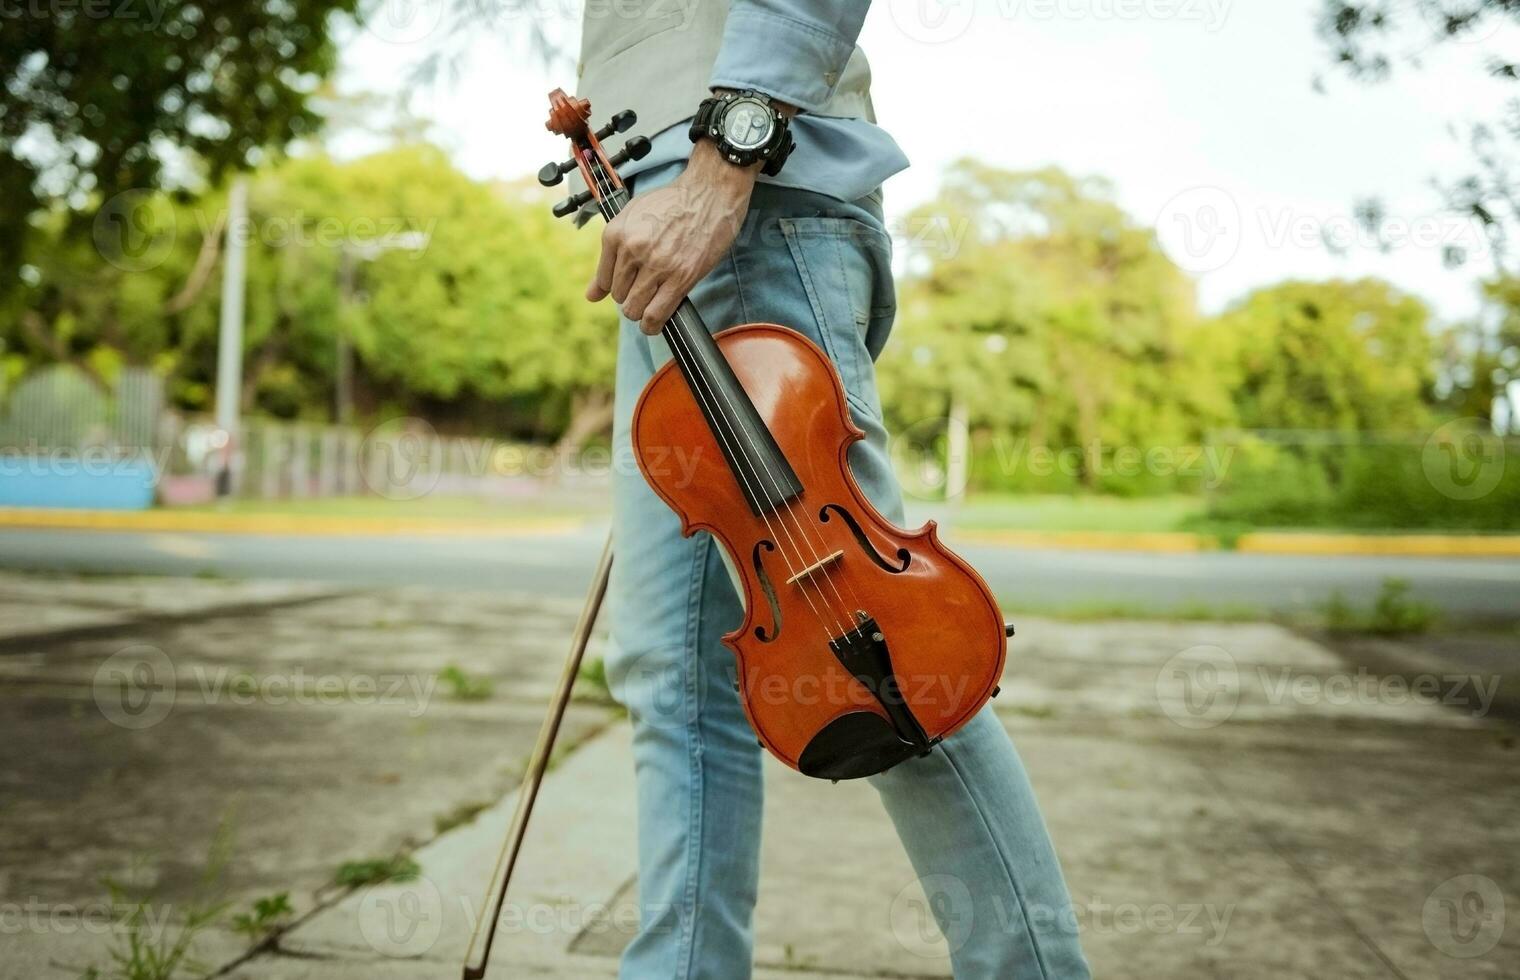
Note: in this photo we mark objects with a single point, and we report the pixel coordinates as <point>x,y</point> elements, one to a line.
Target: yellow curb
<point>1404,545</point>
<point>296,524</point>
<point>1153,541</point>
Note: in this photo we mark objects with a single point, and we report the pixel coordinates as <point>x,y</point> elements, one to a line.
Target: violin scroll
<point>571,117</point>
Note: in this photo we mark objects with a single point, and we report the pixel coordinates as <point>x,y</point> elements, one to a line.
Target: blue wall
<point>99,485</point>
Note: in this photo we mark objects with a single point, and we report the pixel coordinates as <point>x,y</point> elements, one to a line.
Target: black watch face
<point>747,124</point>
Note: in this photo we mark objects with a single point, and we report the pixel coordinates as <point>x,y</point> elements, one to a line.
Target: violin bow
<point>496,894</point>
<point>568,117</point>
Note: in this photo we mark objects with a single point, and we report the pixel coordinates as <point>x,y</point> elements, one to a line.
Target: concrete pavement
<point>1229,800</point>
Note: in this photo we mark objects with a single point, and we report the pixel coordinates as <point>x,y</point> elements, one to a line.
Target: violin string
<point>682,351</point>
<point>685,357</point>
<point>818,566</point>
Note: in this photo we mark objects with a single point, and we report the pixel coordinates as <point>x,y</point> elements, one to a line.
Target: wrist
<point>708,168</point>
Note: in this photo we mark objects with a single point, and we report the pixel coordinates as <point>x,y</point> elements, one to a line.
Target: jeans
<point>965,813</point>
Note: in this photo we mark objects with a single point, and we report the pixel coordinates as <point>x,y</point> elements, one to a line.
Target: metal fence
<point>60,407</point>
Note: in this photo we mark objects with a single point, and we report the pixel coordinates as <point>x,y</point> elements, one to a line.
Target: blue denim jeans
<point>965,813</point>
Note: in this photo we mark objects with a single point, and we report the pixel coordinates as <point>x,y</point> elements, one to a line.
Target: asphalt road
<point>561,565</point>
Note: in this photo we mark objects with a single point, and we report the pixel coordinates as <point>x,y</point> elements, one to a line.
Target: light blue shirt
<point>790,49</point>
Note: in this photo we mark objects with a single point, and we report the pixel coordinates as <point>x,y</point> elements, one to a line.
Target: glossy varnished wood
<point>943,627</point>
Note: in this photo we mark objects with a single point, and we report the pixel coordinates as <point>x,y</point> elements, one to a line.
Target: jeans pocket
<point>845,267</point>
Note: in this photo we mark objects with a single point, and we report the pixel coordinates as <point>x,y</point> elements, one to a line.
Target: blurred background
<point>1207,354</point>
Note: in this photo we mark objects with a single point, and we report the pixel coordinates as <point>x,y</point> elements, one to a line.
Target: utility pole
<point>343,393</point>
<point>229,347</point>
<point>957,452</point>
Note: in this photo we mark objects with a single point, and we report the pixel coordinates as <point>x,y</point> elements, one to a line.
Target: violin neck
<point>762,472</point>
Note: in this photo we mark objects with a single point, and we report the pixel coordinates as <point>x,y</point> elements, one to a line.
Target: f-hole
<point>770,594</point>
<point>865,544</point>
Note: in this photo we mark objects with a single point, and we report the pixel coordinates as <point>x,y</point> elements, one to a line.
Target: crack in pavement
<point>28,643</point>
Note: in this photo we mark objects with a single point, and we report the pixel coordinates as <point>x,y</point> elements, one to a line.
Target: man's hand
<point>664,242</point>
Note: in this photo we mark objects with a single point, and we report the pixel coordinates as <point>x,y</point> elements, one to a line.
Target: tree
<point>1048,311</point>
<point>1371,39</point>
<point>485,320</point>
<point>101,98</point>
<point>1343,356</point>
<point>1480,360</point>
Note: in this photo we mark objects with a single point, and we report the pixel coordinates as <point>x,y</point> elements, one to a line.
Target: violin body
<point>931,643</point>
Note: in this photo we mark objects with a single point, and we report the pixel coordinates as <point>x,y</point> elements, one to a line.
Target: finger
<point>645,286</point>
<point>601,283</point>
<point>624,274</point>
<point>662,307</point>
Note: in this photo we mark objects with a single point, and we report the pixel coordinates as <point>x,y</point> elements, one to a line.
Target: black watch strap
<point>774,155</point>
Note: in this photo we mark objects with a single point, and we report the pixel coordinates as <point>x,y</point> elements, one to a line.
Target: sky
<point>1201,113</point>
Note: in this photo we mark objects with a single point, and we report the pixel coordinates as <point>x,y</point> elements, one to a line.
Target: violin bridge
<point>816,567</point>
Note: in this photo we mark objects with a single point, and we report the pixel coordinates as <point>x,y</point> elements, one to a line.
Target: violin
<point>863,644</point>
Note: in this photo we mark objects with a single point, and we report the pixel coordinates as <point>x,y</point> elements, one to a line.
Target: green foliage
<point>464,687</point>
<point>459,816</point>
<point>145,945</point>
<point>1370,39</point>
<point>1374,485</point>
<point>1393,612</point>
<point>358,874</point>
<point>455,295</point>
<point>1339,615</point>
<point>1338,356</point>
<point>100,90</point>
<point>591,682</point>
<point>268,915</point>
<point>1047,315</point>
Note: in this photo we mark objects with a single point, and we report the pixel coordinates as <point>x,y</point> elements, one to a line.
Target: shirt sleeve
<point>792,50</point>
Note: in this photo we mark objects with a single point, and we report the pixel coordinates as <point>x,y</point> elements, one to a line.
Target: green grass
<point>357,874</point>
<point>1393,613</point>
<point>465,687</point>
<point>591,682</point>
<point>1097,612</point>
<point>147,944</point>
<point>459,816</point>
<point>1078,513</point>
<point>268,916</point>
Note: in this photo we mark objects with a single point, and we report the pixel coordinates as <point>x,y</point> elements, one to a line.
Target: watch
<point>746,128</point>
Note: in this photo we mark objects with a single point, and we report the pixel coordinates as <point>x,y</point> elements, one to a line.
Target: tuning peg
<point>635,149</point>
<point>572,204</point>
<point>622,122</point>
<point>553,173</point>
